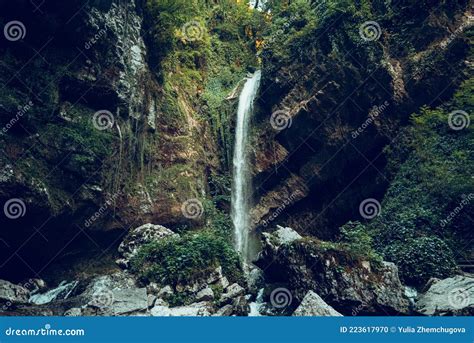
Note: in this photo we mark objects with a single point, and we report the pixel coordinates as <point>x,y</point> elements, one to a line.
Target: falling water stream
<point>241,192</point>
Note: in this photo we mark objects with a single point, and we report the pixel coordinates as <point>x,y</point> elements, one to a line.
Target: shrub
<point>186,258</point>
<point>420,259</point>
<point>358,242</point>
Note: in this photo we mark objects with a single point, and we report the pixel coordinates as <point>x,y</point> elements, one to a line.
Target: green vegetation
<point>186,258</point>
<point>416,229</point>
<point>419,259</point>
<point>357,241</point>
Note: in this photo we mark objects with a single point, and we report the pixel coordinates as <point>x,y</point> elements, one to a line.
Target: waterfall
<point>241,192</point>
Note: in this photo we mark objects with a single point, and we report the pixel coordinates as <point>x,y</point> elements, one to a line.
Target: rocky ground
<point>299,282</point>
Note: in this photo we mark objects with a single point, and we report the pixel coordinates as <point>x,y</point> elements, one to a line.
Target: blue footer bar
<point>238,330</point>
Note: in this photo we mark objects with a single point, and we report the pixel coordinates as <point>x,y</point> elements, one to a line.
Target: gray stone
<point>451,296</point>
<point>11,293</point>
<point>206,294</point>
<point>63,291</point>
<point>348,284</point>
<point>151,300</point>
<point>225,311</point>
<point>138,237</point>
<point>223,283</point>
<point>194,310</point>
<point>314,306</point>
<point>232,291</point>
<point>73,312</point>
<point>241,306</point>
<point>215,276</point>
<point>126,301</point>
<point>165,292</point>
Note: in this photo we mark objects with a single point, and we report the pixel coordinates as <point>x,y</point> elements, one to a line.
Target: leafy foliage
<point>186,258</point>
<point>358,242</point>
<point>432,181</point>
<point>421,258</point>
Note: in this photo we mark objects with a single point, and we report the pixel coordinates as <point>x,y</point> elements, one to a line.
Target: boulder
<point>11,293</point>
<point>225,311</point>
<point>199,309</point>
<point>115,294</point>
<point>73,312</point>
<point>232,292</point>
<point>165,292</point>
<point>138,237</point>
<point>128,301</point>
<point>223,282</point>
<point>240,306</point>
<point>151,300</point>
<point>314,306</point>
<point>346,283</point>
<point>215,276</point>
<point>63,291</point>
<point>452,296</point>
<point>206,294</point>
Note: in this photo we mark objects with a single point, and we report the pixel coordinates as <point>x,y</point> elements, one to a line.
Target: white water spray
<point>241,192</point>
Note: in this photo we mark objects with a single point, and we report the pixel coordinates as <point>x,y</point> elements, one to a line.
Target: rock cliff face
<point>333,97</point>
<point>92,142</point>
